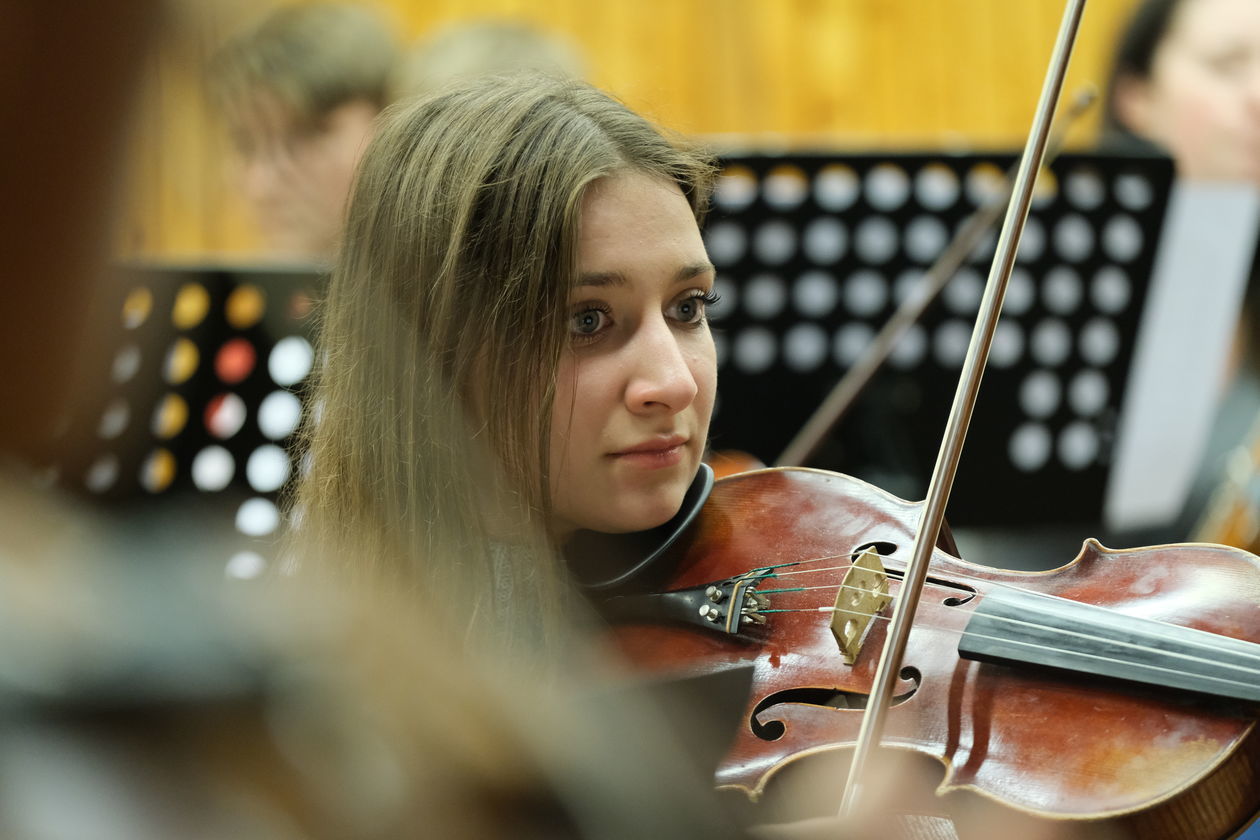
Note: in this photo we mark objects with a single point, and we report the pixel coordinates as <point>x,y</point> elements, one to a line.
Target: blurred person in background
<point>468,49</point>
<point>1185,82</point>
<point>299,92</point>
<point>301,89</point>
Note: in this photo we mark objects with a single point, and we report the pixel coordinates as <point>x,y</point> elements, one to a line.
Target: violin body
<point>732,461</point>
<point>1104,756</point>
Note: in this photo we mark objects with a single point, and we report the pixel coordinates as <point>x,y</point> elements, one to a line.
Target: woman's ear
<point>1132,104</point>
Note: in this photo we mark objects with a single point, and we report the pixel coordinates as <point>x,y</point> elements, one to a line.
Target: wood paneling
<point>824,73</point>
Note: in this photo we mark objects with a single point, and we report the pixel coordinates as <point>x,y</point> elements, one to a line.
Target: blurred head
<point>1187,79</point>
<point>516,303</point>
<point>465,50</point>
<point>300,92</point>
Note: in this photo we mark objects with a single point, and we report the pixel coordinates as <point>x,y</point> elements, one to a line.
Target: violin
<point>726,462</point>
<point>1115,695</point>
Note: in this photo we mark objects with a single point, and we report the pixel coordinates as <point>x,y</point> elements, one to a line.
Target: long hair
<point>442,329</point>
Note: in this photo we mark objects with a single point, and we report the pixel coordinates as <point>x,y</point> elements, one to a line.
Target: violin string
<point>1124,662</point>
<point>963,576</point>
<point>973,634</point>
<point>1206,646</point>
<point>808,588</point>
<point>838,586</point>
<point>930,583</point>
<point>1101,658</point>
<point>823,559</point>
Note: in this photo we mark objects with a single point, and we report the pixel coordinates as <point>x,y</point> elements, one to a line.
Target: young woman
<point>515,348</point>
<point>1187,80</point>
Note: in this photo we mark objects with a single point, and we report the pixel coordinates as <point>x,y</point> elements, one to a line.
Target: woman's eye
<point>1229,64</point>
<point>691,309</point>
<point>588,322</point>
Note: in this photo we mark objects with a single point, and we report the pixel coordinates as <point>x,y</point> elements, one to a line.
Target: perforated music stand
<point>814,252</point>
<point>206,369</point>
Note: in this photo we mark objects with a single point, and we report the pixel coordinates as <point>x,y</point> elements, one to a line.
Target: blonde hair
<point>442,329</point>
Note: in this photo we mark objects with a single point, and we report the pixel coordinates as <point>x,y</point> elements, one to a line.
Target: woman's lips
<point>655,454</point>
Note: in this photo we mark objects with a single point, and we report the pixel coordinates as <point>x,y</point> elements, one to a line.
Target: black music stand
<point>814,252</point>
<point>206,368</point>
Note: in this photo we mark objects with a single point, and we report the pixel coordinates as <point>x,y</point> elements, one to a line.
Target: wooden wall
<point>831,73</point>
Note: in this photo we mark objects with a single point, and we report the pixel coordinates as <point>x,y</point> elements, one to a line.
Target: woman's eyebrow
<point>616,278</point>
<point>695,270</point>
<point>601,278</point>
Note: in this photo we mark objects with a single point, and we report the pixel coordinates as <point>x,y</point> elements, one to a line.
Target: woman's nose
<point>1251,85</point>
<point>661,379</point>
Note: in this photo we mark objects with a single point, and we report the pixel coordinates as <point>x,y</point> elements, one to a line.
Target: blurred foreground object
<point>141,698</point>
<point>68,94</point>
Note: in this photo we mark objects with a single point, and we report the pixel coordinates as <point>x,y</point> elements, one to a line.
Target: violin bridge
<point>863,593</point>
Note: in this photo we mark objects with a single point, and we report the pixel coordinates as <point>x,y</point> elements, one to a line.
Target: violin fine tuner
<point>862,594</point>
<point>743,603</point>
<point>727,606</point>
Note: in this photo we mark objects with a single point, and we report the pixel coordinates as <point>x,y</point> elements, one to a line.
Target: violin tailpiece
<point>727,606</point>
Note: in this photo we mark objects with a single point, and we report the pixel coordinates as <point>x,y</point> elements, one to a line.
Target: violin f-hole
<point>884,549</point>
<point>768,728</point>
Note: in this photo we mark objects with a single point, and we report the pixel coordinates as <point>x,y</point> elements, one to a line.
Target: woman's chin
<point>641,517</point>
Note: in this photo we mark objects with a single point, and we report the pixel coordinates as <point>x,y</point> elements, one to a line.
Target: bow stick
<point>960,412</point>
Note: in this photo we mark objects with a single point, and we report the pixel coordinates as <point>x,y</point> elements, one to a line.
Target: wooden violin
<point>1116,695</point>
<point>731,461</point>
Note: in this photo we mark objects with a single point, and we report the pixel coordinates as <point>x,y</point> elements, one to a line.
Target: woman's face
<point>635,388</point>
<point>295,180</point>
<point>1202,100</point>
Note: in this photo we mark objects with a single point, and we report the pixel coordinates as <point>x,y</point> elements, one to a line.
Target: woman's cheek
<point>706,377</point>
